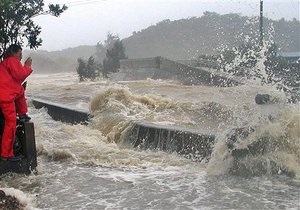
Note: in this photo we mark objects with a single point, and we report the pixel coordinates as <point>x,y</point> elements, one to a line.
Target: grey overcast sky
<point>87,22</point>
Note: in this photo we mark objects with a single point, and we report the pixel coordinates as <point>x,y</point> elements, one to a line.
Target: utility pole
<point>261,23</point>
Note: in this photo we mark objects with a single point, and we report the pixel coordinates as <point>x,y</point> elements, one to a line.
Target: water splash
<point>258,62</point>
<point>15,199</point>
<point>270,146</point>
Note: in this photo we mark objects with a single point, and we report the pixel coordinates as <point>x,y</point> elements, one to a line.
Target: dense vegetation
<point>91,69</point>
<point>16,24</point>
<point>209,34</point>
<point>88,69</point>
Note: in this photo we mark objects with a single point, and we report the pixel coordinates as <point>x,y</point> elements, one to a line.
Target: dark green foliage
<point>81,68</point>
<point>100,52</point>
<point>16,23</point>
<point>92,69</point>
<point>88,69</point>
<point>113,55</point>
<point>55,10</point>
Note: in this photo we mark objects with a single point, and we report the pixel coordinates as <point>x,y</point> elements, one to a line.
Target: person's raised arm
<point>17,71</point>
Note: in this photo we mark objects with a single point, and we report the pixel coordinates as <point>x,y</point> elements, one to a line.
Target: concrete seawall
<point>144,136</point>
<point>162,68</point>
<point>193,145</point>
<point>62,113</point>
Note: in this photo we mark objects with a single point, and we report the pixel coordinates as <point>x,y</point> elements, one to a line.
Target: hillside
<point>187,38</point>
<point>58,61</point>
<point>182,39</point>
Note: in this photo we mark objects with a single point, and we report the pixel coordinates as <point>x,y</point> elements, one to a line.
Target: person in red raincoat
<point>12,99</point>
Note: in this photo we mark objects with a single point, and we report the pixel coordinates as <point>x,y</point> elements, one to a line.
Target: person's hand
<point>24,85</point>
<point>28,62</point>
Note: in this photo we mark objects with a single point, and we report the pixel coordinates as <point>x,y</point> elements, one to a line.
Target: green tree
<point>16,24</point>
<point>92,69</point>
<point>112,61</point>
<point>100,52</point>
<point>81,68</point>
<point>87,69</point>
<point>101,48</point>
<point>110,40</point>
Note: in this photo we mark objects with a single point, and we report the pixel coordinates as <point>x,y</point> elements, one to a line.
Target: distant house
<point>291,56</point>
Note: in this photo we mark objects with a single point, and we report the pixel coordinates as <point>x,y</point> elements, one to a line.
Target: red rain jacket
<point>12,74</point>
